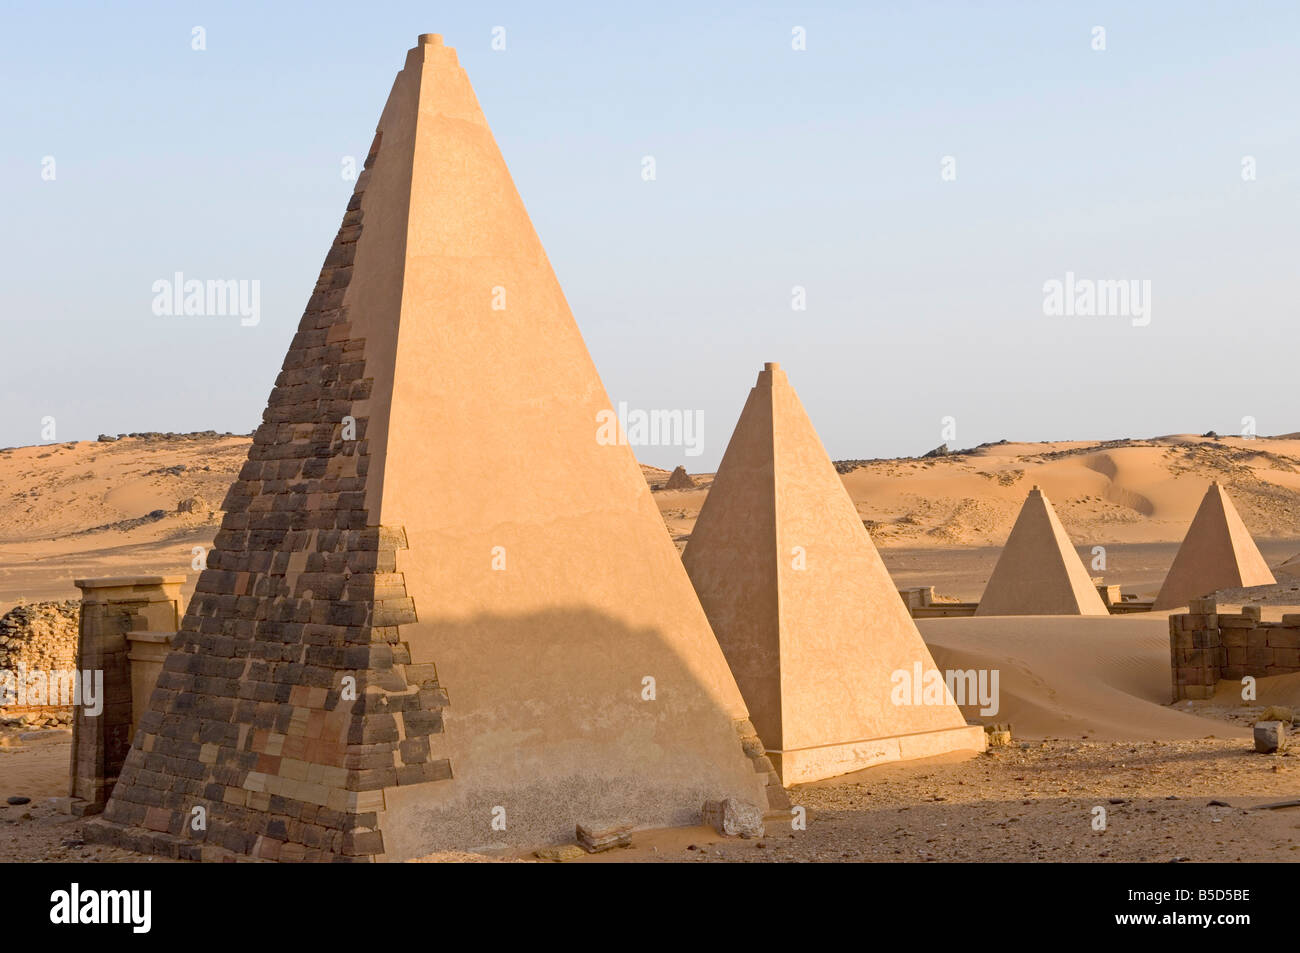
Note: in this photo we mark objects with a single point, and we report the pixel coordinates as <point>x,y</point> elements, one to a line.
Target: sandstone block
<point>732,817</point>
<point>1235,638</point>
<point>1270,736</point>
<point>1286,658</point>
<point>1284,637</point>
<point>595,841</point>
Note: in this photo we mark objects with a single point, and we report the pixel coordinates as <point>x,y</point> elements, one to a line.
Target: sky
<point>922,171</point>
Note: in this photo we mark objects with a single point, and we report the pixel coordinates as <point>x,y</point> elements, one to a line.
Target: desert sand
<point>71,510</point>
<point>92,509</point>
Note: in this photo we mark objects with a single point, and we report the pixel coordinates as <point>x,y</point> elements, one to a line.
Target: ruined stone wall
<point>40,635</point>
<point>1206,646</point>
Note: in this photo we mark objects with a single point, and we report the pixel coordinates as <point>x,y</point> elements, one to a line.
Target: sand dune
<point>98,508</point>
<point>1105,678</point>
<point>1119,491</point>
<point>104,508</point>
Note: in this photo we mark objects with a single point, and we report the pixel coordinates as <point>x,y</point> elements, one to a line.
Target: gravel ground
<point>1036,802</point>
<point>1032,801</point>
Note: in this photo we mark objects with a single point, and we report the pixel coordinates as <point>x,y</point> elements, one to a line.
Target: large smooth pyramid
<point>527,650</point>
<point>803,606</point>
<point>1039,572</point>
<point>1217,553</point>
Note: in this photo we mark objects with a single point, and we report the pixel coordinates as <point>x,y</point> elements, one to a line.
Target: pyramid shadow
<point>633,735</point>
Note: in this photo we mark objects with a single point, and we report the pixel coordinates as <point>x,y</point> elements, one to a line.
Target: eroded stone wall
<point>40,635</point>
<point>1207,646</point>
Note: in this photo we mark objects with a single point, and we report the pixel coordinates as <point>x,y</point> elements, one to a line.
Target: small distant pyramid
<point>1291,567</point>
<point>1039,572</point>
<point>409,637</point>
<point>804,608</point>
<point>1217,553</point>
<point>680,480</point>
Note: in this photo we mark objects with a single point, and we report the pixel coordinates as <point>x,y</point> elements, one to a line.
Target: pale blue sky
<point>776,168</point>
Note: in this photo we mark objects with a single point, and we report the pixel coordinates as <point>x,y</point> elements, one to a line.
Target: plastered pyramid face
<point>1217,553</point>
<point>810,621</point>
<point>413,633</point>
<point>1038,571</point>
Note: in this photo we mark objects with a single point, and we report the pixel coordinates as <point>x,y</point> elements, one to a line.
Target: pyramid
<point>1038,572</point>
<point>410,637</point>
<point>1217,553</point>
<point>679,480</point>
<point>804,608</point>
<point>1291,567</point>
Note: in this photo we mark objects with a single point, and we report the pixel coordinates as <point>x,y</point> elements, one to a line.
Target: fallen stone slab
<point>1270,736</point>
<point>76,806</point>
<point>1278,713</point>
<point>560,854</point>
<point>593,842</point>
<point>998,736</point>
<point>732,817</point>
<point>48,736</point>
<point>1276,805</point>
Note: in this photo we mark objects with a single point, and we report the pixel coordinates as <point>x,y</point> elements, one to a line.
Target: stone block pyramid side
<point>254,743</point>
<point>306,712</point>
<point>1218,552</point>
<point>1038,571</point>
<point>804,607</point>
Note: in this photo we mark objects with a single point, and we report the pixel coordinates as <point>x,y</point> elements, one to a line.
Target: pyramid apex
<point>771,373</point>
<point>430,48</point>
<point>1035,490</point>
